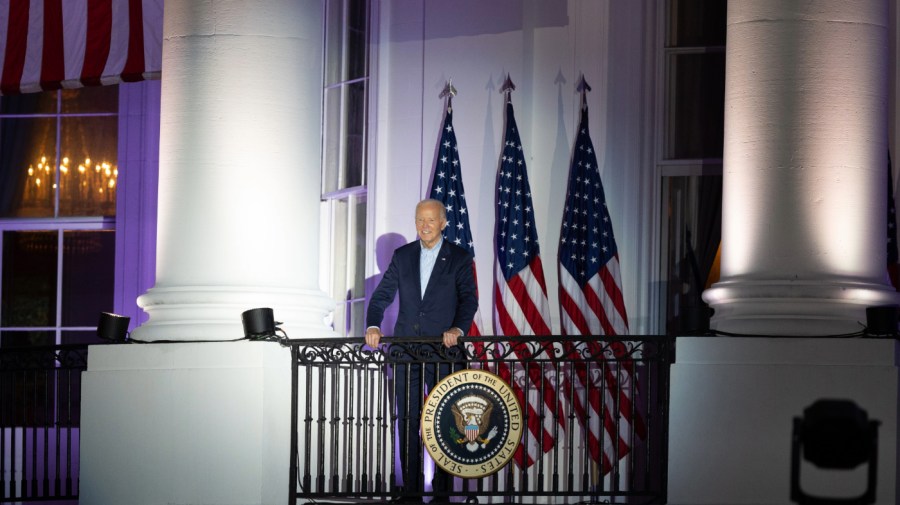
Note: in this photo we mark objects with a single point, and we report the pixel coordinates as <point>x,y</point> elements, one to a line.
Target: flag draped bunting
<point>591,303</point>
<point>53,44</point>
<point>521,306</point>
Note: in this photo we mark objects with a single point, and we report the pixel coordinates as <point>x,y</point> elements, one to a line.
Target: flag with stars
<point>591,303</point>
<point>521,306</point>
<point>447,188</point>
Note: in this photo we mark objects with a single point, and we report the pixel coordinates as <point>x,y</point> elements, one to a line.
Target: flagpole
<point>449,92</point>
<point>507,88</point>
<point>583,87</point>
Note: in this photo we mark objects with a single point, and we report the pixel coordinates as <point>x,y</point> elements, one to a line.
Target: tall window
<point>58,181</point>
<point>691,163</point>
<point>344,170</point>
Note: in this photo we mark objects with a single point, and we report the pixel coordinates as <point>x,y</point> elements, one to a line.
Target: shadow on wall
<point>384,251</point>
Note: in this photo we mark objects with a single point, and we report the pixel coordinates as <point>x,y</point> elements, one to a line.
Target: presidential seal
<point>471,423</point>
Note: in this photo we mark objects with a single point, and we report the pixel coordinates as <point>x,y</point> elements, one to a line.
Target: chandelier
<point>84,189</point>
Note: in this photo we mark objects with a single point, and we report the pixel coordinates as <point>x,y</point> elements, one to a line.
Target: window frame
<point>57,223</point>
<point>338,239</point>
<point>671,167</point>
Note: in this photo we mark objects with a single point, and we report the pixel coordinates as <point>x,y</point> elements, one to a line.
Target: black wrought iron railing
<point>40,390</point>
<point>594,416</point>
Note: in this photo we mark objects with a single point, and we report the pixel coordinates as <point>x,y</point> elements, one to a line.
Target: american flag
<point>520,299</point>
<point>447,188</point>
<point>591,303</point>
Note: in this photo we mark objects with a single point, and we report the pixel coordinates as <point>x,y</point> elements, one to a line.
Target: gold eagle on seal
<point>472,414</point>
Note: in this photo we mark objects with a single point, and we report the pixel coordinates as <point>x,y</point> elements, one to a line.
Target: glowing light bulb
<point>116,172</point>
<point>65,160</point>
<point>37,181</point>
<point>87,162</point>
<point>30,171</point>
<point>81,168</point>
<point>64,169</point>
<point>43,160</point>
<point>111,183</point>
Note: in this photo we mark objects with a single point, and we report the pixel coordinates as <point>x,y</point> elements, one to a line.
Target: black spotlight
<point>113,327</point>
<point>258,323</point>
<point>881,320</point>
<point>834,435</point>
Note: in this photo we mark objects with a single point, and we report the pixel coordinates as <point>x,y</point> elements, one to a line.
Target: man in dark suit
<point>436,286</point>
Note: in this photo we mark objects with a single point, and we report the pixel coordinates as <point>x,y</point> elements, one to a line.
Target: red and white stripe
<point>521,307</point>
<point>606,386</point>
<point>53,44</point>
<point>599,308</point>
<point>605,391</point>
<point>476,347</point>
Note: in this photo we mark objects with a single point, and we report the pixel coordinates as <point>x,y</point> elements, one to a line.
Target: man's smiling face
<point>430,221</point>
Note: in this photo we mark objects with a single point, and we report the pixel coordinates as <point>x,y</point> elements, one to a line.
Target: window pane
<point>357,319</point>
<point>334,47</point>
<point>357,279</point>
<point>331,164</point>
<point>357,35</point>
<point>91,99</point>
<point>27,158</point>
<point>345,137</point>
<point>692,232</point>
<point>696,106</point>
<point>89,171</point>
<point>346,40</point>
<point>697,23</point>
<point>340,250</point>
<point>29,103</point>
<point>355,117</point>
<point>88,276</point>
<point>29,278</point>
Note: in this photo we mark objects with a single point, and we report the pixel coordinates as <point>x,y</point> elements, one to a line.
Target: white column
<point>239,178</point>
<point>803,224</point>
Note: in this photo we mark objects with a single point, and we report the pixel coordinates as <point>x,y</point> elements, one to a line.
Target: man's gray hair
<point>429,201</point>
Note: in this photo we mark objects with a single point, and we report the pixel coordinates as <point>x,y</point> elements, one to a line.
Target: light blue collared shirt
<point>427,259</point>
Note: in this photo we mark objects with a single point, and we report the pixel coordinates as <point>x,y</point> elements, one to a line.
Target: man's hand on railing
<point>451,337</point>
<point>373,336</point>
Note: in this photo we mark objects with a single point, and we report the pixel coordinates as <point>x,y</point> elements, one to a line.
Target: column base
<point>210,313</point>
<point>797,308</point>
<point>186,423</point>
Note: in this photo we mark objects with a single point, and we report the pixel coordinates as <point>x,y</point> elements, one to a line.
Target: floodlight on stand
<point>835,435</point>
<point>113,327</point>
<point>259,323</point>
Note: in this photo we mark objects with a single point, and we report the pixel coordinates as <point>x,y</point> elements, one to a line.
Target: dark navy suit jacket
<point>449,300</point>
